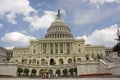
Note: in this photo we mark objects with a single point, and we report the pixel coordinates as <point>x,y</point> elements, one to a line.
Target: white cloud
<point>44,21</point>
<point>93,16</point>
<point>17,38</point>
<point>103,37</point>
<point>84,12</point>
<point>102,1</point>
<point>9,47</point>
<point>10,8</point>
<point>98,3</point>
<point>1,25</point>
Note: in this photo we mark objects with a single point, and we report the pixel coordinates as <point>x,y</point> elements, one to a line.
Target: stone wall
<point>91,68</point>
<point>6,69</point>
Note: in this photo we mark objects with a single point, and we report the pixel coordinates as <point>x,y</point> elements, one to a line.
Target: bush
<point>26,71</point>
<point>33,72</point>
<point>58,72</point>
<point>19,71</point>
<point>65,72</point>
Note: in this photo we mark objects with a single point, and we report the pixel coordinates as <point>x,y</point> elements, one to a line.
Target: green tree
<point>33,72</point>
<point>50,71</point>
<point>26,71</point>
<point>116,48</point>
<point>19,71</point>
<point>58,72</point>
<point>41,72</point>
<point>65,72</point>
<point>75,71</point>
<point>71,71</point>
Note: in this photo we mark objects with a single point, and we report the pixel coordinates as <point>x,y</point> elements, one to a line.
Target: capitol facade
<point>57,52</point>
<point>58,47</point>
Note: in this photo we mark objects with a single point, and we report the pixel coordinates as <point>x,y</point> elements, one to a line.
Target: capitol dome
<point>58,29</point>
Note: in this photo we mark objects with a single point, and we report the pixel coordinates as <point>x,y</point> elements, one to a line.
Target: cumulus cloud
<point>44,21</point>
<point>95,15</point>
<point>11,8</point>
<point>102,37</point>
<point>102,1</point>
<point>9,47</point>
<point>17,38</point>
<point>98,3</point>
<point>1,25</point>
<point>85,10</point>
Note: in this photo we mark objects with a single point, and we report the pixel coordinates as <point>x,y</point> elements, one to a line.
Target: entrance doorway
<point>52,62</point>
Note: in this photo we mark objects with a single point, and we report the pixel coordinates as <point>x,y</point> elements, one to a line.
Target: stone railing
<point>49,66</point>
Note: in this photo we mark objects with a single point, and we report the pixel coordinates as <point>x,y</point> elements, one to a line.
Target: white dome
<point>58,29</point>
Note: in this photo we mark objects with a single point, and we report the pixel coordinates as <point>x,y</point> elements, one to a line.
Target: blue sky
<point>94,20</point>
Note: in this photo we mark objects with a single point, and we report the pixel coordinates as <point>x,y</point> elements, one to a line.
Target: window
<point>51,51</point>
<point>34,51</point>
<point>79,50</point>
<point>56,50</point>
<point>61,50</point>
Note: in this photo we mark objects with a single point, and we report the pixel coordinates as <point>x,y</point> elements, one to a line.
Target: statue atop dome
<point>58,14</point>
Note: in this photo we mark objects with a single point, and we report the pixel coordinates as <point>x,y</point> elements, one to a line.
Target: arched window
<point>69,61</point>
<point>61,61</point>
<point>78,60</point>
<point>34,61</point>
<point>43,62</point>
<point>52,62</point>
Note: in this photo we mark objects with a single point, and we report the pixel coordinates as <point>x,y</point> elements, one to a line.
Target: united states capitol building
<point>59,50</point>
<point>58,47</point>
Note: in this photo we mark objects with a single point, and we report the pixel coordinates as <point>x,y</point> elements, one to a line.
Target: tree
<point>26,71</point>
<point>116,48</point>
<point>50,72</point>
<point>75,71</point>
<point>65,72</point>
<point>58,72</point>
<point>71,70</point>
<point>19,71</point>
<point>33,72</point>
<point>41,72</point>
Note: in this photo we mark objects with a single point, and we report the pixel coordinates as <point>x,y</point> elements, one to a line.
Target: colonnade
<point>56,47</point>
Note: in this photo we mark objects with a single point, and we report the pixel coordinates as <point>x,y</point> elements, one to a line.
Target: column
<point>41,47</point>
<point>70,47</point>
<point>65,48</point>
<point>58,48</point>
<point>53,48</point>
<point>46,48</point>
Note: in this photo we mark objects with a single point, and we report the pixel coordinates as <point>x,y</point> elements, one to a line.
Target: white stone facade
<point>3,52</point>
<point>58,48</point>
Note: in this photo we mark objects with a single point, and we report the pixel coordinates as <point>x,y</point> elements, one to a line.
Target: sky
<point>96,21</point>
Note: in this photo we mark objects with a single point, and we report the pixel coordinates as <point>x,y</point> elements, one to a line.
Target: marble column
<point>58,48</point>
<point>53,48</point>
